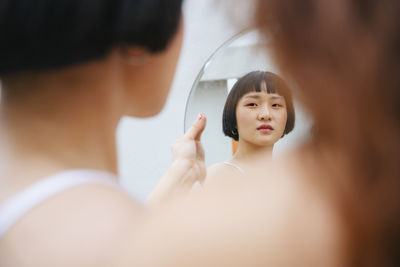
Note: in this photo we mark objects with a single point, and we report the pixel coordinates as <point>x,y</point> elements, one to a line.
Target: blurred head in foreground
<point>343,58</point>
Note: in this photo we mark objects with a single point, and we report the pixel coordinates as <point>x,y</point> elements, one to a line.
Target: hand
<point>187,167</point>
<point>188,153</point>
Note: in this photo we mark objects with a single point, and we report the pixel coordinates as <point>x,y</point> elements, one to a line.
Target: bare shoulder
<point>218,167</point>
<point>221,173</point>
<point>82,226</point>
<point>279,221</point>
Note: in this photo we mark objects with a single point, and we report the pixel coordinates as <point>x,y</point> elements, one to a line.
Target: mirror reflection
<point>259,106</point>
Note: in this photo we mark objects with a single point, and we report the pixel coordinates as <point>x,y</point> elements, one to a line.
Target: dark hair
<point>345,60</point>
<point>252,82</point>
<point>45,34</point>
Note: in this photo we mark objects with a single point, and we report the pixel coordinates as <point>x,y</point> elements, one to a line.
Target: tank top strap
<point>18,205</point>
<point>235,166</point>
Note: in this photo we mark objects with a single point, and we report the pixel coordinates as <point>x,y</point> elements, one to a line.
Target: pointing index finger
<point>195,131</point>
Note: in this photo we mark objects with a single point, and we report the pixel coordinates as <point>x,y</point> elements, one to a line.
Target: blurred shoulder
<point>274,219</point>
<point>218,168</point>
<point>86,222</point>
<point>222,172</point>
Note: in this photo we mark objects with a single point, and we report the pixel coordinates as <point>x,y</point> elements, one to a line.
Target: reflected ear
<point>134,55</point>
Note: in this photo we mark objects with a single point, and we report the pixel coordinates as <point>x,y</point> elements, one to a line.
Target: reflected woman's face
<point>261,118</point>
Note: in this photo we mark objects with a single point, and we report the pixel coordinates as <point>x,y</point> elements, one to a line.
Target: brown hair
<point>252,82</point>
<point>344,58</point>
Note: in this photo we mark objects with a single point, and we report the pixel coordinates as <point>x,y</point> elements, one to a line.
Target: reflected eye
<point>251,105</point>
<point>276,105</point>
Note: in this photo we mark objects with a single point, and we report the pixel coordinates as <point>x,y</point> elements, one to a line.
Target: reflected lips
<point>265,128</point>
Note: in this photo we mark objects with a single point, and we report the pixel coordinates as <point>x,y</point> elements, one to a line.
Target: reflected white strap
<point>234,165</point>
<point>17,206</point>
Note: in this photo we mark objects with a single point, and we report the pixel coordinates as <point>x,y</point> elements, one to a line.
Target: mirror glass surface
<point>245,52</point>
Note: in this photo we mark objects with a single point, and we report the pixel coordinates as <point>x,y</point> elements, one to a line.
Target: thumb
<point>197,128</point>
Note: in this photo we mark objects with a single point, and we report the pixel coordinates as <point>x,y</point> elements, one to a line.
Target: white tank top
<point>18,205</point>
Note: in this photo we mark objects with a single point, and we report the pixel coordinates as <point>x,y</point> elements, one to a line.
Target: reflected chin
<point>267,140</point>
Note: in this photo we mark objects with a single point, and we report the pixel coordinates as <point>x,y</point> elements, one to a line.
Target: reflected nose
<point>264,114</point>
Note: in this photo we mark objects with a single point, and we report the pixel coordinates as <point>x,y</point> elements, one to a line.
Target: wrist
<point>178,173</point>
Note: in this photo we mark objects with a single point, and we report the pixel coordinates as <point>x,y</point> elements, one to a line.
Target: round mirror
<point>243,53</point>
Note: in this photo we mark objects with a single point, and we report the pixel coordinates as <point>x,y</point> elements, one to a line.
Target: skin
<point>67,119</point>
<point>260,108</point>
<point>254,146</point>
<point>286,220</point>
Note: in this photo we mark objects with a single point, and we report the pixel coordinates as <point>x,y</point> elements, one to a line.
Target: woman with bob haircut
<point>70,69</point>
<point>258,112</point>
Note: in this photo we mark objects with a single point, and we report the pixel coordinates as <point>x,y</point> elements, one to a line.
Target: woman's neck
<point>54,125</point>
<point>248,153</point>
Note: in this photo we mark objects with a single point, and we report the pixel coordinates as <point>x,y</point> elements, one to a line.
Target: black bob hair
<point>252,82</point>
<point>46,34</point>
